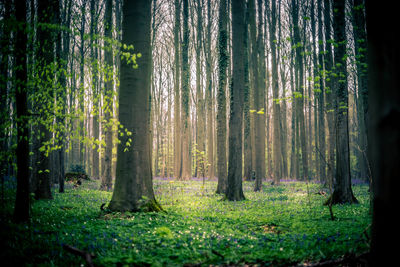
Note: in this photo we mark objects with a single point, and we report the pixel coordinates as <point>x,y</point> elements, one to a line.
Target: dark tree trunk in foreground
<point>235,189</point>
<point>21,210</point>
<point>45,36</point>
<point>133,189</point>
<point>384,133</point>
<point>342,188</point>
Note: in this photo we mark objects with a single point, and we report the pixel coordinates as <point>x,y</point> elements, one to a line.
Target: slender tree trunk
<point>360,47</point>
<point>246,108</point>
<point>106,178</point>
<point>329,87</point>
<point>221,99</point>
<point>321,149</point>
<point>300,88</point>
<point>185,94</point>
<point>177,102</point>
<point>4,68</point>
<point>260,168</point>
<point>209,96</point>
<point>276,102</point>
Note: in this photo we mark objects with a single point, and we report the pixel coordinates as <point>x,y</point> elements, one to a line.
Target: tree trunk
<point>299,98</point>
<point>106,178</point>
<point>186,173</point>
<point>45,59</point>
<point>329,86</point>
<point>360,47</point>
<point>234,190</point>
<point>384,131</point>
<point>21,209</point>
<point>177,101</point>
<point>134,182</point>
<point>221,98</point>
<point>246,107</point>
<point>209,96</point>
<point>321,149</point>
<point>276,111</point>
<point>342,188</point>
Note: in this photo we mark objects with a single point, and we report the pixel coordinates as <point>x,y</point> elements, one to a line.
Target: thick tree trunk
<point>21,209</point>
<point>342,188</point>
<point>134,184</point>
<point>45,59</point>
<point>234,190</point>
<point>384,131</point>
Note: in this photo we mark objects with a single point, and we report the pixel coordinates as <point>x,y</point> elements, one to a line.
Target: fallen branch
<point>217,253</point>
<point>85,255</point>
<point>349,260</point>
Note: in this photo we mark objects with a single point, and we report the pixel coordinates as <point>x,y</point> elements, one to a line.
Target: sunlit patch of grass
<point>281,224</point>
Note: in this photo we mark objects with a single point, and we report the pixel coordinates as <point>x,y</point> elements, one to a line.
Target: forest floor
<point>284,225</point>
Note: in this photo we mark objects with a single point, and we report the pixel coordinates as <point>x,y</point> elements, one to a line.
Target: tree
<point>360,48</point>
<point>299,97</point>
<point>384,130</point>
<point>221,98</point>
<point>21,209</point>
<point>177,102</point>
<point>185,161</point>
<point>45,59</point>
<point>106,178</point>
<point>209,94</point>
<point>342,188</point>
<point>133,185</point>
<point>234,190</point>
<point>277,147</point>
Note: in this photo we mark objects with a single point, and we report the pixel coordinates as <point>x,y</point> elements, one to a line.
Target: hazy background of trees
<point>304,94</point>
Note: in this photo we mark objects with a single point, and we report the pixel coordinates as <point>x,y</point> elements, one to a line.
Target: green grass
<point>283,225</point>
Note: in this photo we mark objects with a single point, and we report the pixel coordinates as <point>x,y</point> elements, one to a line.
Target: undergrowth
<point>280,226</point>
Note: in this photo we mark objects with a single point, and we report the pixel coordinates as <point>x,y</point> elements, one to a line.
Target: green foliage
<point>77,168</point>
<point>48,90</point>
<point>278,226</point>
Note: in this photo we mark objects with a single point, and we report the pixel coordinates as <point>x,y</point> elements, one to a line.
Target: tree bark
<point>134,182</point>
<point>299,98</point>
<point>186,172</point>
<point>234,190</point>
<point>384,131</point>
<point>21,209</point>
<point>106,178</point>
<point>221,98</point>
<point>342,187</point>
<point>45,59</point>
<point>177,97</point>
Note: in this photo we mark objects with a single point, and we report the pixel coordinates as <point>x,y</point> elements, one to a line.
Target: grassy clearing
<point>283,225</point>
